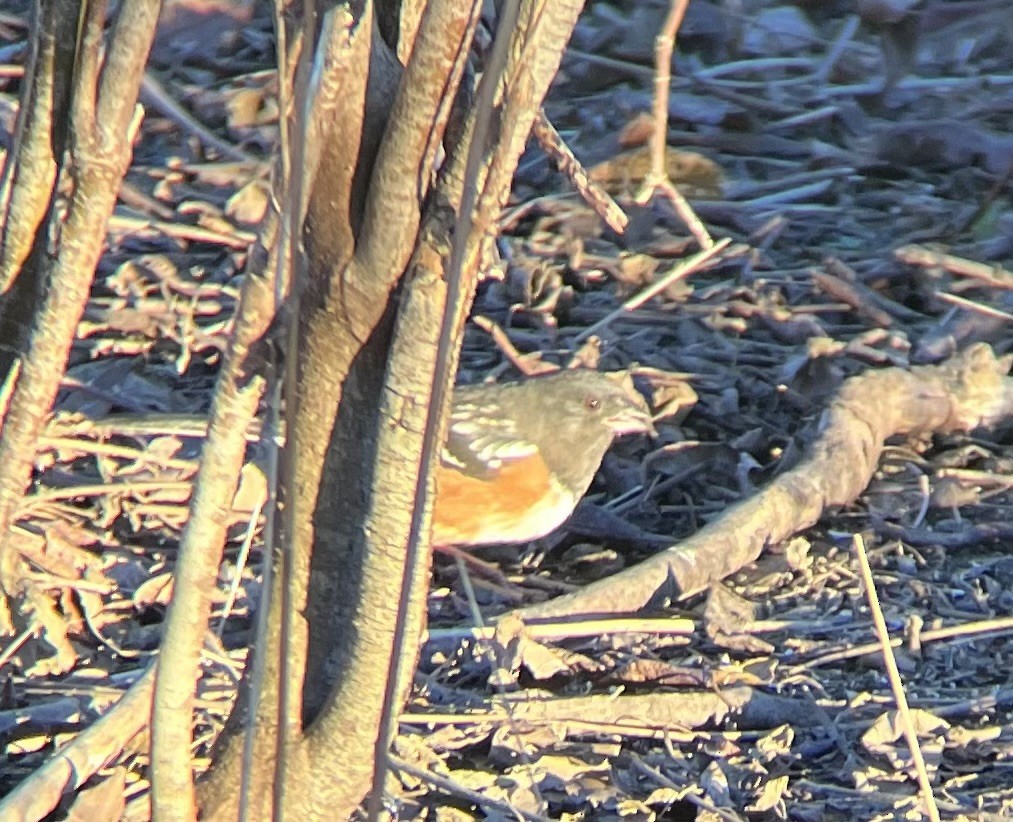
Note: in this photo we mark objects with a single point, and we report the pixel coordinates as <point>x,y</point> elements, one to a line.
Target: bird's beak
<point>632,420</point>
<point>634,417</point>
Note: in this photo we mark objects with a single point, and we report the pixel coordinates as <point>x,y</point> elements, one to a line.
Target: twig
<point>927,258</point>
<point>537,631</point>
<point>896,684</point>
<point>73,765</point>
<point>593,193</point>
<point>758,66</point>
<point>452,788</point>
<point>678,272</point>
<point>194,233</point>
<point>689,795</point>
<point>155,95</point>
<point>977,308</point>
<point>837,48</point>
<point>527,364</point>
<point>889,800</point>
<point>657,178</point>
<point>969,632</point>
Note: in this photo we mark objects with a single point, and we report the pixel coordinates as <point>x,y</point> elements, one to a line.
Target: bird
<point>520,455</point>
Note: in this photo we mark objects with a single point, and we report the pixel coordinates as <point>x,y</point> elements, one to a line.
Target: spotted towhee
<point>519,456</point>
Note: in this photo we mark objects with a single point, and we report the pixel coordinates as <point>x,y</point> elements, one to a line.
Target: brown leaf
<point>693,174</point>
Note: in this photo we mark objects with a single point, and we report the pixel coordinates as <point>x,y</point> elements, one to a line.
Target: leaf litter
<point>859,164</point>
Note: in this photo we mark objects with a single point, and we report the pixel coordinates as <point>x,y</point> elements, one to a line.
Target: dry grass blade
<point>896,683</point>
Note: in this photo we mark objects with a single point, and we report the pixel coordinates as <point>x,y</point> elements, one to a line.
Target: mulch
<point>859,164</point>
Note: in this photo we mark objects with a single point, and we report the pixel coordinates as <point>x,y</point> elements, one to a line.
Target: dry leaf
<point>692,173</point>
<point>638,131</point>
<point>249,205</point>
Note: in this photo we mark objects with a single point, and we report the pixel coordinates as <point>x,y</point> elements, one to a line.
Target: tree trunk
<point>359,421</point>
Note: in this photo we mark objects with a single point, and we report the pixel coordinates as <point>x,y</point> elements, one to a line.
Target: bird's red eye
<point>592,403</point>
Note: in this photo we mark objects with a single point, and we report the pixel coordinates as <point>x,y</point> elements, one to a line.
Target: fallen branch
<point>646,716</point>
<point>970,390</point>
<point>68,769</point>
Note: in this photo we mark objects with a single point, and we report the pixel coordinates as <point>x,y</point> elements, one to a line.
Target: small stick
<point>977,308</point>
<point>155,95</point>
<point>594,195</point>
<point>896,684</point>
<point>657,178</point>
<point>924,257</point>
<point>678,272</point>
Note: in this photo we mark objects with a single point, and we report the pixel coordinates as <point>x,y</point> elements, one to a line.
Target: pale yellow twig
<point>893,672</point>
<point>657,178</point>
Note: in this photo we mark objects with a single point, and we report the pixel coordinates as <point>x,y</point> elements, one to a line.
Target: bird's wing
<point>481,441</point>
